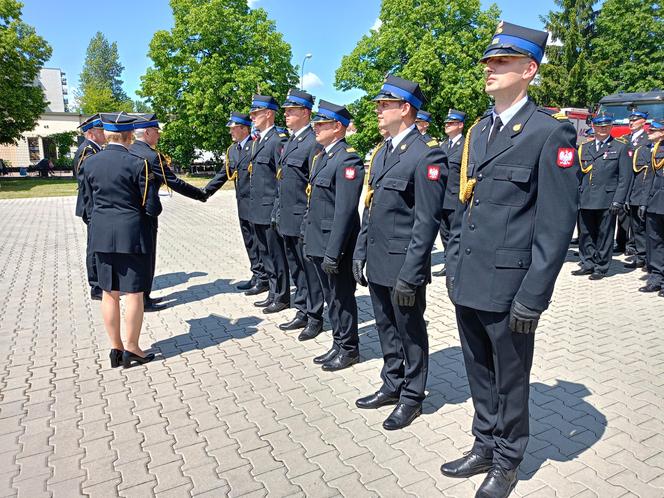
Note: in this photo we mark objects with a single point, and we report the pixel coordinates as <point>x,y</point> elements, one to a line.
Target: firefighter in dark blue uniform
<point>454,122</point>
<point>423,121</point>
<point>290,206</point>
<point>146,131</point>
<point>125,198</point>
<point>400,222</point>
<point>637,240</point>
<point>93,132</point>
<point>330,229</point>
<point>235,169</point>
<point>607,169</point>
<point>652,212</point>
<point>509,238</point>
<point>264,156</point>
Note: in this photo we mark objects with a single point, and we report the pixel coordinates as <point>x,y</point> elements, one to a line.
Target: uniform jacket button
<point>480,177</point>
<point>477,202</point>
<point>520,263</point>
<point>472,226</point>
<point>468,251</point>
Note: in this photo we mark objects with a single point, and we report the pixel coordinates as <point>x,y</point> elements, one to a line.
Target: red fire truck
<point>621,104</point>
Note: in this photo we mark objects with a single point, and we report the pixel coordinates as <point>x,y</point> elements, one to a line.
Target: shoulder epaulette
<point>433,143</point>
<point>622,140</point>
<point>351,149</point>
<point>282,135</point>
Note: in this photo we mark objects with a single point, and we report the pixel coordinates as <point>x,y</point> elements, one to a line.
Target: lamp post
<point>308,56</point>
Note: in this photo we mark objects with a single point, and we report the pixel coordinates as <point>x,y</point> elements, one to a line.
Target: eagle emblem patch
<point>433,172</point>
<point>349,173</point>
<point>565,157</point>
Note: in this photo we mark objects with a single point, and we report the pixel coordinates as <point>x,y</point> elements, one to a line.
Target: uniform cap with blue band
<point>657,124</point>
<point>327,111</point>
<point>237,118</point>
<point>299,98</point>
<point>512,40</point>
<point>603,118</point>
<point>423,116</point>
<point>91,122</point>
<point>263,102</point>
<point>146,121</point>
<point>117,121</point>
<point>454,115</point>
<point>638,114</point>
<point>396,88</point>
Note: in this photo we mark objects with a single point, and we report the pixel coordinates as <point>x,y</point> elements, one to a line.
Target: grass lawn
<point>21,188</point>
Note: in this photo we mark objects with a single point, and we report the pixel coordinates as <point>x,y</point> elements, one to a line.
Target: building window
<point>33,148</point>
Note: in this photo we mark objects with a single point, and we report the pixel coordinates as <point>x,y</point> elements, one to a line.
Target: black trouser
<point>309,300</point>
<point>655,232</point>
<point>596,228</point>
<point>404,342</point>
<point>90,261</point>
<point>445,224</point>
<point>251,245</point>
<point>339,293</point>
<point>273,255</point>
<point>498,364</point>
<point>638,232</point>
<point>624,238</point>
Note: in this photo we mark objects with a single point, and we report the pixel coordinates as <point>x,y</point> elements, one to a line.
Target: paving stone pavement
<point>234,407</point>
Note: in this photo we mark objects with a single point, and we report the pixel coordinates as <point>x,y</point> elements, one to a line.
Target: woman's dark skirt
<point>123,272</point>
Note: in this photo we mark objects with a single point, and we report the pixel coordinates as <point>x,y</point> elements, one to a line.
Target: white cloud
<point>252,3</point>
<point>310,80</point>
<point>377,24</point>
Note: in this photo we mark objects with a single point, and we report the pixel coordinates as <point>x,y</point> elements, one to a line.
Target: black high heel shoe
<point>128,357</point>
<point>116,357</point>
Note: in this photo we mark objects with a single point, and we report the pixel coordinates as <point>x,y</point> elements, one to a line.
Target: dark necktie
<point>390,147</point>
<point>497,124</point>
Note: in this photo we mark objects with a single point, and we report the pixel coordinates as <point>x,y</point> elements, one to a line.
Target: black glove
<point>205,195</point>
<point>404,293</point>
<point>523,320</point>
<point>449,283</point>
<point>615,208</point>
<point>330,266</point>
<point>641,213</point>
<point>358,272</point>
<point>626,208</point>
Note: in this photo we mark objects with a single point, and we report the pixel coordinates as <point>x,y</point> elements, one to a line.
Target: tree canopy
<point>100,88</point>
<point>217,55</point>
<point>438,44</point>
<point>23,54</point>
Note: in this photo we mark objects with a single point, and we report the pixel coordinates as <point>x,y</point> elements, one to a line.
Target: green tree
<point>436,44</point>
<point>63,141</point>
<point>628,48</point>
<point>563,78</point>
<point>100,84</point>
<point>22,54</point>
<point>141,106</point>
<point>218,53</point>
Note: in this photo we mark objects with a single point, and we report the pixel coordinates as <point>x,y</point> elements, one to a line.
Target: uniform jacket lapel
<point>504,139</point>
<point>260,144</point>
<point>394,157</point>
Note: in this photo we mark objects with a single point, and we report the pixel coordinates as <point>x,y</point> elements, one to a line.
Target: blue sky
<point>68,26</point>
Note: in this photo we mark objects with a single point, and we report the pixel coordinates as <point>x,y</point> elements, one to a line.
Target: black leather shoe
<point>650,288</point>
<point>597,276</point>
<point>265,302</point>
<point>128,358</point>
<point>257,289</point>
<point>96,293</point>
<point>499,483</point>
<point>245,286</point>
<point>275,308</point>
<point>116,357</point>
<point>630,251</point>
<point>582,271</point>
<point>325,357</point>
<point>440,273</point>
<point>469,464</point>
<point>310,331</point>
<point>341,361</point>
<point>376,400</point>
<point>402,416</point>
<point>296,323</point>
<point>150,306</point>
<point>635,264</point>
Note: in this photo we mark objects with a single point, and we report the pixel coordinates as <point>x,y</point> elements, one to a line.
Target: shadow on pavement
<point>172,279</point>
<point>206,332</point>
<point>195,293</point>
